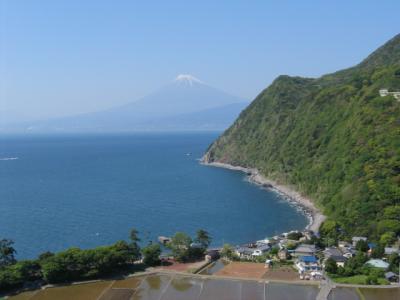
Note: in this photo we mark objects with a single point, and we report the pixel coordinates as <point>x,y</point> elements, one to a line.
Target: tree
<point>362,246</point>
<point>392,212</point>
<point>45,255</point>
<point>203,238</point>
<point>151,254</point>
<point>15,275</point>
<point>371,279</point>
<point>129,252</point>
<point>389,225</point>
<point>354,264</point>
<point>291,246</point>
<point>134,235</point>
<point>134,245</point>
<point>180,246</point>
<point>394,261</point>
<point>274,251</point>
<point>331,266</point>
<point>7,252</point>
<point>388,238</point>
<point>330,231</point>
<point>228,252</point>
<point>294,236</point>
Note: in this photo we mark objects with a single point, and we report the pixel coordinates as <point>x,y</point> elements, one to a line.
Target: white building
<point>385,92</point>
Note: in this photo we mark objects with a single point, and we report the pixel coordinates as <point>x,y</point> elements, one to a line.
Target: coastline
<point>315,216</point>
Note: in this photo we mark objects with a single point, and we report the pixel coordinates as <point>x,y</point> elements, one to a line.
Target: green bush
<point>151,255</point>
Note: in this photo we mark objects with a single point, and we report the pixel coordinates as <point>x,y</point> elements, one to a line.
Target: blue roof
<point>308,259</point>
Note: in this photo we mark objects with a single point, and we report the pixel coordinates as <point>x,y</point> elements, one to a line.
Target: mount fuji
<point>186,103</point>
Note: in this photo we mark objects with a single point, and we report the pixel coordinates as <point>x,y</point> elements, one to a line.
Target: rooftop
<point>378,263</point>
<point>308,259</point>
<point>332,251</point>
<point>306,248</point>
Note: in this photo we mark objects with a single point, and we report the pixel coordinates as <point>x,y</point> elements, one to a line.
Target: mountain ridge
<point>334,138</point>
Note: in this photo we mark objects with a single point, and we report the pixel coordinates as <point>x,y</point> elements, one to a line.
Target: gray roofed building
<point>391,250</point>
<point>332,251</point>
<point>339,260</point>
<point>391,276</point>
<point>305,250</point>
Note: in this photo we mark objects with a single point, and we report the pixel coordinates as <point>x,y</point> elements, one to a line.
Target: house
<point>244,252</point>
<point>343,244</point>
<point>260,249</point>
<point>305,250</point>
<point>356,239</point>
<point>385,92</point>
<point>332,251</point>
<point>335,254</point>
<point>390,276</point>
<point>348,253</point>
<point>283,254</point>
<point>212,254</point>
<point>250,251</point>
<point>307,264</point>
<point>391,250</point>
<point>378,263</point>
<point>164,240</point>
<point>339,260</point>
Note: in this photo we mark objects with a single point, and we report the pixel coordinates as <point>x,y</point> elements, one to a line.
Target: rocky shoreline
<point>315,216</point>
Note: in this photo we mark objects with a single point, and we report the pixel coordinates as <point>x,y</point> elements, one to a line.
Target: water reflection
<point>181,284</point>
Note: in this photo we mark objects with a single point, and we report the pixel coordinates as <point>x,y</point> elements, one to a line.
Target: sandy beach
<point>312,212</point>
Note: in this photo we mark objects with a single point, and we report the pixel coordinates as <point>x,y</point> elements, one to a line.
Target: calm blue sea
<point>62,191</point>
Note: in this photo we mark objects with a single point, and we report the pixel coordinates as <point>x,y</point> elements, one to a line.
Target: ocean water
<point>62,191</point>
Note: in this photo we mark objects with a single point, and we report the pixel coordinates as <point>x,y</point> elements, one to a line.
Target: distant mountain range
<point>185,104</point>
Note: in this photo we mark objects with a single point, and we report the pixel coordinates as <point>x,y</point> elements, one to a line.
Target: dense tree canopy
<point>333,138</point>
<point>70,265</point>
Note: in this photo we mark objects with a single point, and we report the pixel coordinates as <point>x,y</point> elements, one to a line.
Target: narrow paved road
<point>325,288</point>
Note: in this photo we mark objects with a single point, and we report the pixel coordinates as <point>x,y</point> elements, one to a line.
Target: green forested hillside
<point>334,138</point>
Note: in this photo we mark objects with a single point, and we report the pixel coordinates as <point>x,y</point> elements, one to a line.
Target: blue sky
<point>66,57</point>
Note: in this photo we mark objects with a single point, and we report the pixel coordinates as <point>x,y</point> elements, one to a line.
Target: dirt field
<point>258,270</point>
<point>76,292</point>
<point>129,283</point>
<point>181,267</point>
<point>281,273</point>
<point>118,294</point>
<point>243,269</point>
<point>24,295</point>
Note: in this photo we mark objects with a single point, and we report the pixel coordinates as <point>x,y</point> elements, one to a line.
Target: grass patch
<point>357,279</point>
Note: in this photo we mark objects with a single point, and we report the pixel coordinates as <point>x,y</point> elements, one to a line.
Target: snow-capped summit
<point>187,79</point>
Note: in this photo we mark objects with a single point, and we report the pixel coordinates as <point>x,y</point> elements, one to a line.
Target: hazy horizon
<point>61,59</point>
